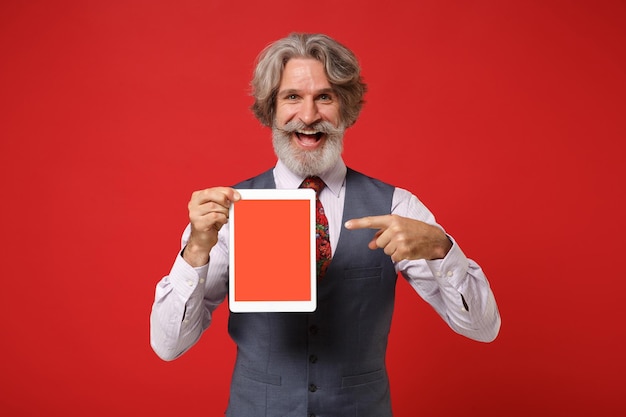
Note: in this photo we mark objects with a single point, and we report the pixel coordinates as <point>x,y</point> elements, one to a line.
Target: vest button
<point>312,387</point>
<point>313,329</point>
<point>311,415</point>
<point>312,358</point>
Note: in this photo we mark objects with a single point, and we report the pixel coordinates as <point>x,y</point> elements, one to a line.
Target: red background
<point>505,118</point>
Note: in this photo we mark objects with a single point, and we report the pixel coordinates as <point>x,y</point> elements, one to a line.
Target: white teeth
<point>307,132</point>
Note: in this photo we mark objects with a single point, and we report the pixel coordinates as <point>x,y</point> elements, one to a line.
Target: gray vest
<point>331,362</point>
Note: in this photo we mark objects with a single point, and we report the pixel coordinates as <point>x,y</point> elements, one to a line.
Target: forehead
<point>304,74</point>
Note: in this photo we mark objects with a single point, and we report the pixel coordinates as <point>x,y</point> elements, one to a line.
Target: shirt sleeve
<point>454,286</point>
<point>186,298</point>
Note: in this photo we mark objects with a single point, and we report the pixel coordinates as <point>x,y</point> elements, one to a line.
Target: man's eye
<point>325,97</point>
<point>292,97</point>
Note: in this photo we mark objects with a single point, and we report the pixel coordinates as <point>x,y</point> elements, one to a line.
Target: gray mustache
<point>322,126</point>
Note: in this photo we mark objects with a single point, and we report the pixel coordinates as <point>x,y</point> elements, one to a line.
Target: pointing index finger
<point>369,222</point>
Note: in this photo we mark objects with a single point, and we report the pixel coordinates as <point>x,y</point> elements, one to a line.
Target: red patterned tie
<point>324,253</point>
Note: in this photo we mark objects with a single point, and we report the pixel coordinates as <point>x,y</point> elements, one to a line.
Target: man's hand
<point>404,238</point>
<point>208,212</point>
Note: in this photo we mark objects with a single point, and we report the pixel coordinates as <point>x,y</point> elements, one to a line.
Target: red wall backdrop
<point>505,118</point>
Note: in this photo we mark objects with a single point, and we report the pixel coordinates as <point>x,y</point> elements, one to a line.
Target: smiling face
<point>307,132</point>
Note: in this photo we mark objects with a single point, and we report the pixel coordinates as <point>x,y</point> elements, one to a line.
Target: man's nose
<point>309,113</point>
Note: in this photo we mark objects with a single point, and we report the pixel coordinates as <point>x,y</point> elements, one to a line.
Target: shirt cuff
<point>452,268</point>
<point>185,278</point>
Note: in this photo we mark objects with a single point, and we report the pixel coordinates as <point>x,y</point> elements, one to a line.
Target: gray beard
<point>313,162</point>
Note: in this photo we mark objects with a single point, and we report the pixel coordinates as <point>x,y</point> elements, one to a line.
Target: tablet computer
<point>272,251</point>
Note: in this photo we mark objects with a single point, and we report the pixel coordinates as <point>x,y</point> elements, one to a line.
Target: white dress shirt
<point>454,286</point>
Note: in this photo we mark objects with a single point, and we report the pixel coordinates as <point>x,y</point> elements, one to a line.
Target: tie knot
<point>315,183</point>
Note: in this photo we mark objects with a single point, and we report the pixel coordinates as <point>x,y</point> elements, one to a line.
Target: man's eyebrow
<point>328,90</point>
<point>290,91</point>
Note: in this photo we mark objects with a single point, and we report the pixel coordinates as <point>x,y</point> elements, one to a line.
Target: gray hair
<point>341,66</point>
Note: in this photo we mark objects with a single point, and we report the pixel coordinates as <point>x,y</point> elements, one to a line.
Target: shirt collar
<point>334,177</point>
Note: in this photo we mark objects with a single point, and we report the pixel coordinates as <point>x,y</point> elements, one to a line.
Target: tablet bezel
<point>241,306</point>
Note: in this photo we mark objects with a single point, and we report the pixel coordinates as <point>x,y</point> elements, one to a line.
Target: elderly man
<point>331,362</point>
